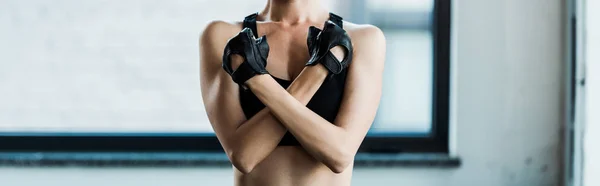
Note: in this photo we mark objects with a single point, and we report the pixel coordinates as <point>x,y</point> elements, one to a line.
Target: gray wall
<point>507,74</point>
<point>592,120</point>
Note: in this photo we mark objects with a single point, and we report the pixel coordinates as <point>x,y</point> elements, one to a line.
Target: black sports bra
<point>326,101</point>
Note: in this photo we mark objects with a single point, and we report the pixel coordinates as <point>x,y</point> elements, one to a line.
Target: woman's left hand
<point>338,52</point>
<point>331,47</point>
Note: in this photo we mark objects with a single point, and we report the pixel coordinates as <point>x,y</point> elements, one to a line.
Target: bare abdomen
<point>291,165</point>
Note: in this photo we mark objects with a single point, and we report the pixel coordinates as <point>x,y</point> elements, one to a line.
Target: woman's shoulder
<point>218,29</point>
<point>365,35</point>
<point>215,35</point>
<point>213,39</point>
<point>362,30</point>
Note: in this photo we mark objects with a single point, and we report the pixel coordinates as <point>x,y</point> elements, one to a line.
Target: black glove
<point>254,51</point>
<point>321,41</point>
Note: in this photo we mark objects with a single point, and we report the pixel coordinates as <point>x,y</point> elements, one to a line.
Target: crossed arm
<point>334,144</point>
<point>246,142</point>
<point>249,142</point>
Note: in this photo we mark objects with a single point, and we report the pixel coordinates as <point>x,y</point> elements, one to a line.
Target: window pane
<point>132,66</point>
<point>105,66</point>
<point>406,101</point>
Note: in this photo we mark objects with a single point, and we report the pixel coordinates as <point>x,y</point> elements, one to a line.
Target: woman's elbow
<point>241,163</point>
<point>340,163</point>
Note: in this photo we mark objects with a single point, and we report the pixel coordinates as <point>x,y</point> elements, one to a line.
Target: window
<point>123,76</point>
<point>413,113</point>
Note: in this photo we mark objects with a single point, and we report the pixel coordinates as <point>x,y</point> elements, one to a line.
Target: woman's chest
<point>288,54</point>
<point>325,102</point>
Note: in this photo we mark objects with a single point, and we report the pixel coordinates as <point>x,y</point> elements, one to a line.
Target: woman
<point>300,119</point>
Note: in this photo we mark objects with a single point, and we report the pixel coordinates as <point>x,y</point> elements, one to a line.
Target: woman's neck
<point>294,11</point>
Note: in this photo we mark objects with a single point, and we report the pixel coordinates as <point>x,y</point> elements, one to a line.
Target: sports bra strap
<point>336,19</point>
<point>250,22</point>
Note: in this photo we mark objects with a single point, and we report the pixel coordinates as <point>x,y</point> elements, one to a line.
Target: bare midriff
<point>291,165</point>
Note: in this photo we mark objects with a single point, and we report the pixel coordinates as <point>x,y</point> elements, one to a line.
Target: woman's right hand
<point>245,56</point>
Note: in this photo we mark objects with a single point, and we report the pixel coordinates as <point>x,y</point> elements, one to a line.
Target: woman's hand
<point>331,47</point>
<point>338,52</point>
<point>245,56</point>
<point>236,61</point>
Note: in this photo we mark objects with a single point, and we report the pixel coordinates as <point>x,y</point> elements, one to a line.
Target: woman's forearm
<point>318,136</point>
<point>257,137</point>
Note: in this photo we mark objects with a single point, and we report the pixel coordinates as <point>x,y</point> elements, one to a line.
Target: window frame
<point>435,142</point>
